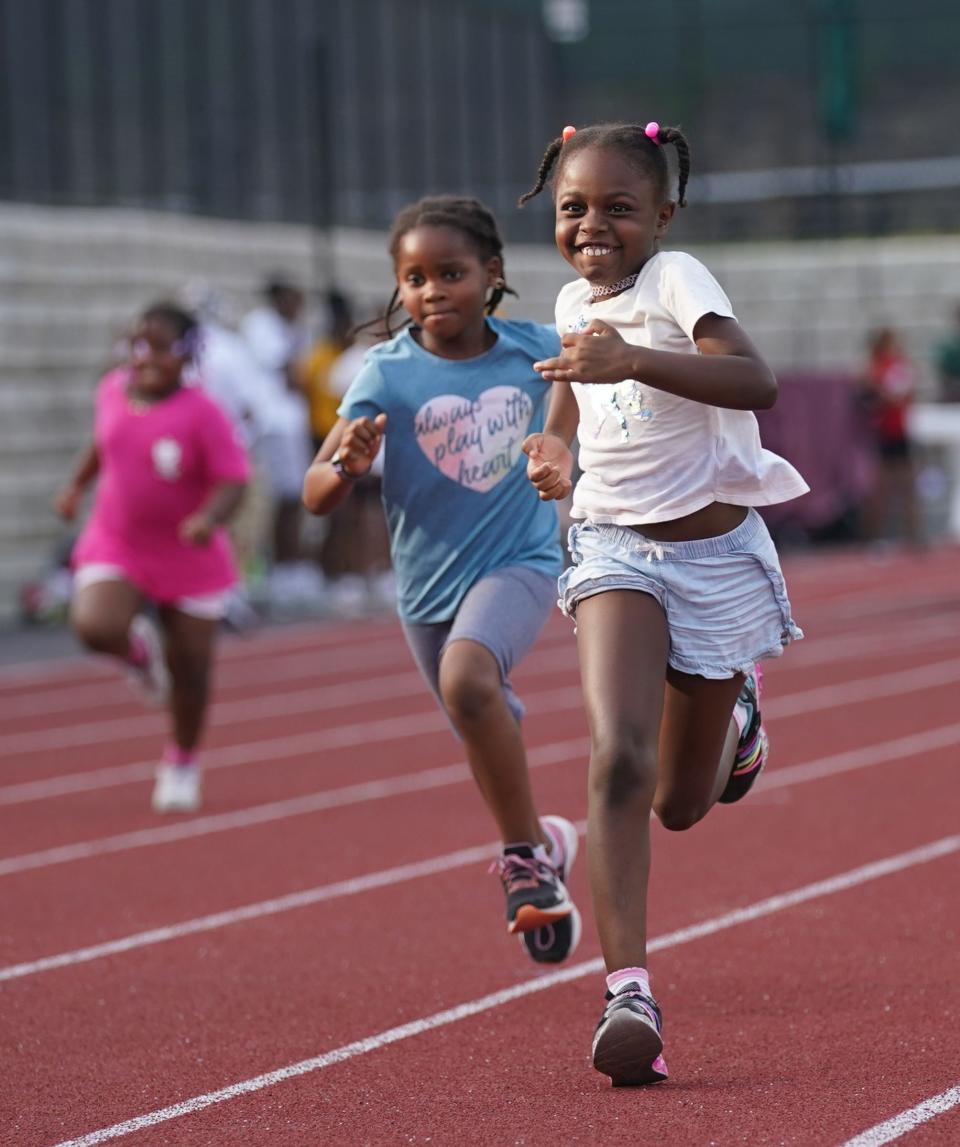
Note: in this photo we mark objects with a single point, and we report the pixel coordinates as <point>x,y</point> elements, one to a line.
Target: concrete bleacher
<point>72,279</point>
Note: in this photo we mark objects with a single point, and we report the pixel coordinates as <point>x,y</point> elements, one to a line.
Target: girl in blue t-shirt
<point>475,551</point>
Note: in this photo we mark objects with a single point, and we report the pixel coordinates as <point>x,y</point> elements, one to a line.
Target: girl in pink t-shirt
<point>170,473</point>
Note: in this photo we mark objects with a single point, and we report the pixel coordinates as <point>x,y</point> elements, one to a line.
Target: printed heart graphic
<point>474,442</point>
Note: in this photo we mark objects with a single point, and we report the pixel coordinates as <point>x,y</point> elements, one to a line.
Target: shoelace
<point>643,1001</point>
<point>653,550</point>
<point>518,872</point>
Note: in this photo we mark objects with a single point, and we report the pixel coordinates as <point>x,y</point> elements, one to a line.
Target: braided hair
<point>632,142</point>
<point>466,215</point>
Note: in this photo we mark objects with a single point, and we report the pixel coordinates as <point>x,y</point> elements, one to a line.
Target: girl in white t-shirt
<point>675,582</point>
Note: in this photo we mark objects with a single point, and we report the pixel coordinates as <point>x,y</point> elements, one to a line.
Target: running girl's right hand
<point>360,443</point>
<point>550,465</point>
<point>67,502</point>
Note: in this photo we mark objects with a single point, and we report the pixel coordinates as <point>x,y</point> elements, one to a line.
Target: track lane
<point>275,956</point>
<point>850,612</point>
<point>733,1073</point>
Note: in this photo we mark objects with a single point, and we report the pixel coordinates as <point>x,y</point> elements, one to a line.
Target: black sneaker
<point>536,895</point>
<point>554,942</point>
<point>627,1045</point>
<point>753,748</point>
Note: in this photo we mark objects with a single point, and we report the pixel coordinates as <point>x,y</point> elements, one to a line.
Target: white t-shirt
<point>231,375</point>
<point>275,343</point>
<point>650,456</point>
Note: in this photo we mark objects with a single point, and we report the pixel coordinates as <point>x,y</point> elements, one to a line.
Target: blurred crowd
<point>279,373</point>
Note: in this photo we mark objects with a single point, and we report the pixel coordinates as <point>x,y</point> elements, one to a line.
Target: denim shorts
<point>724,598</point>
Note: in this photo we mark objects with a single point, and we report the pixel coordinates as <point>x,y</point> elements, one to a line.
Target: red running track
<point>319,957</point>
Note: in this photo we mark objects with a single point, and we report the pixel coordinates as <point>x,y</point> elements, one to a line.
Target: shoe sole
<point>529,917</point>
<point>542,953</point>
<point>626,1049</point>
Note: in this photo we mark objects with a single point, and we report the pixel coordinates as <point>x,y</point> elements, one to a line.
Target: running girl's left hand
<point>197,530</point>
<point>550,465</point>
<point>596,354</point>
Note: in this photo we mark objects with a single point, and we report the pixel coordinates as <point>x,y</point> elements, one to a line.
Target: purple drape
<point>817,424</point>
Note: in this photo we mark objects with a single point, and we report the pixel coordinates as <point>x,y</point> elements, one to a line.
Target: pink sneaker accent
<point>564,839</point>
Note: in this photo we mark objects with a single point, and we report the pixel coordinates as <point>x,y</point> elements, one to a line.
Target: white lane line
<point>896,639</point>
<point>834,765</point>
<point>864,689</point>
<point>288,903</point>
<point>553,655</point>
<point>314,743</point>
<point>230,714</point>
<point>905,1122</point>
<point>276,810</point>
<point>315,667</point>
<point>272,640</point>
<point>414,782</point>
<point>914,744</point>
<point>821,888</point>
<point>274,748</point>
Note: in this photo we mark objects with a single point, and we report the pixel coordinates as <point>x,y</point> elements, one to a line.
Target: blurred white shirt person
<point>277,336</point>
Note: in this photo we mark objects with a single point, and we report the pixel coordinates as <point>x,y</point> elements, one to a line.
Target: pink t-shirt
<point>158,465</point>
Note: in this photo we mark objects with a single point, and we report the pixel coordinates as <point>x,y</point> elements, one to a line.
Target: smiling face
<point>443,284</point>
<point>157,359</point>
<point>610,217</point>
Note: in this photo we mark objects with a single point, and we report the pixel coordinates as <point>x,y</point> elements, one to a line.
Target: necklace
<point>614,288</point>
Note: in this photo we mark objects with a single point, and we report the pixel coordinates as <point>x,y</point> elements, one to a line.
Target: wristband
<point>340,469</point>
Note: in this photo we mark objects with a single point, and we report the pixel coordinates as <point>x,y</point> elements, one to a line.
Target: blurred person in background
<point>342,547</point>
<point>948,364</point>
<point>171,472</point>
<point>277,335</point>
<point>336,337</point>
<point>356,551</point>
<point>227,369</point>
<point>888,388</point>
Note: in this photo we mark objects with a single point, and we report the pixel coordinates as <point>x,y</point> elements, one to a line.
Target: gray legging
<point>504,612</point>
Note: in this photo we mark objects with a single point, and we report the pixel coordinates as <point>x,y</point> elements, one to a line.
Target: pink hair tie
<point>652,131</point>
<point>568,131</point>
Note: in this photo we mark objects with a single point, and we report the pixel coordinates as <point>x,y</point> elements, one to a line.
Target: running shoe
<point>177,788</point>
<point>753,748</point>
<point>628,1045</point>
<point>536,895</point>
<point>151,678</point>
<point>556,941</point>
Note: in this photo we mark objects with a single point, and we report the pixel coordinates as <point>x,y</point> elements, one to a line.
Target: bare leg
<point>472,694</point>
<point>623,645</point>
<point>698,739</point>
<point>100,615</point>
<point>189,644</point>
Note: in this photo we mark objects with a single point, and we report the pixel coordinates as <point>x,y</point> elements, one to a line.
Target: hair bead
<point>652,131</point>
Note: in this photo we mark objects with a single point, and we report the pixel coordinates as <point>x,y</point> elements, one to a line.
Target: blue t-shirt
<point>457,498</point>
